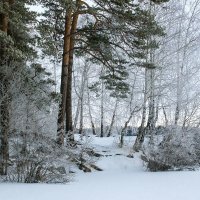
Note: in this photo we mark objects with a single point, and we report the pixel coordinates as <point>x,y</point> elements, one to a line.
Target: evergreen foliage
<point>22,80</point>
<point>115,34</point>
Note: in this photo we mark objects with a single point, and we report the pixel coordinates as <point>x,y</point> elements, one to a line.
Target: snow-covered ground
<point>122,178</point>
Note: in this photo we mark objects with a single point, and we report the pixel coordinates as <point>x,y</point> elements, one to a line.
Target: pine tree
<point>16,48</point>
<point>115,36</point>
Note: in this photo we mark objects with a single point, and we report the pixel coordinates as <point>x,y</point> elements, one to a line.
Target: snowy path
<point>122,178</point>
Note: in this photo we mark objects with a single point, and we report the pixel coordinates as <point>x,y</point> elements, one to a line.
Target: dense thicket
<point>25,93</point>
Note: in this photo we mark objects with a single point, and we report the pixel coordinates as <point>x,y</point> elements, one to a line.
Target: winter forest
<point>100,98</point>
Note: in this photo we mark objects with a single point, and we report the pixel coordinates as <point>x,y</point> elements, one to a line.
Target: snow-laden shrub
<point>175,148</point>
<point>36,158</point>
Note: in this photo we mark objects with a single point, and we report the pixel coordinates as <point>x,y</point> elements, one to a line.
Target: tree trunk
<point>77,113</point>
<point>5,18</point>
<point>5,96</point>
<point>83,82</point>
<point>64,79</point>
<point>177,113</point>
<point>4,120</point>
<point>90,113</point>
<point>165,115</point>
<point>69,126</point>
<point>141,132</point>
<point>126,125</point>
<point>81,118</point>
<point>124,130</point>
<point>151,117</point>
<point>102,110</point>
<point>113,119</point>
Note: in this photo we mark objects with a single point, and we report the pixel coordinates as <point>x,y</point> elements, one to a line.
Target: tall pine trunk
<point>64,78</point>
<point>69,126</point>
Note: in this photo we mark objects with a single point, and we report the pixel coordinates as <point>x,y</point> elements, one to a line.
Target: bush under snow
<point>177,148</point>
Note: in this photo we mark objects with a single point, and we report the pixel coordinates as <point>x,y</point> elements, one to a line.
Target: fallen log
<point>84,167</point>
<point>96,167</point>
